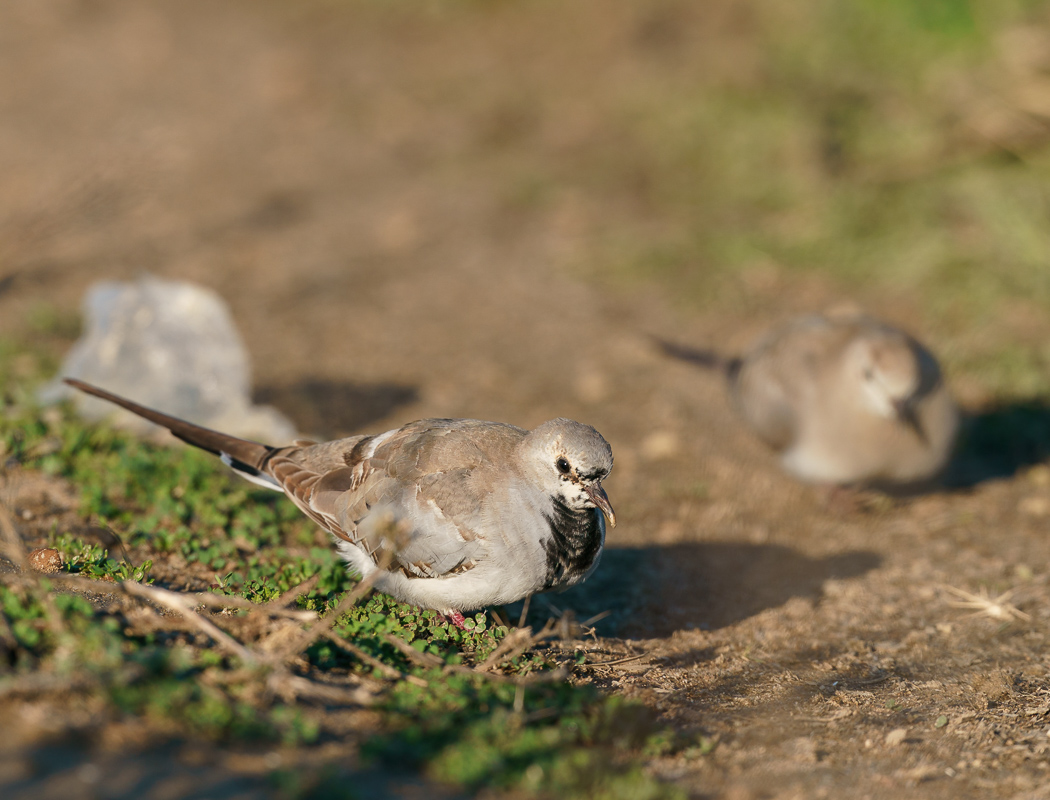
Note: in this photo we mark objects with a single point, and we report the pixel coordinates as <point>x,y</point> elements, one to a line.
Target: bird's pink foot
<point>841,500</point>
<point>456,618</point>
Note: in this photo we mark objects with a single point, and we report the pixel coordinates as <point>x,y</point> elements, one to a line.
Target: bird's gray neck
<point>575,543</point>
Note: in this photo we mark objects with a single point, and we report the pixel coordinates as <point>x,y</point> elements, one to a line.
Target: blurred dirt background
<point>457,209</point>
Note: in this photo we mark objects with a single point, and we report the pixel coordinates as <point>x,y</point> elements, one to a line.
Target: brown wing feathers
<point>314,476</point>
<point>251,454</point>
<point>298,481</point>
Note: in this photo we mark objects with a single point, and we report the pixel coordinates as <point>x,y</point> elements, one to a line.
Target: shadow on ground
<point>329,409</point>
<point>654,591</point>
<point>1000,441</point>
<point>72,767</point>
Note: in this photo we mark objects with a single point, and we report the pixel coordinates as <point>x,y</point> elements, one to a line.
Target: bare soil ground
<point>350,179</point>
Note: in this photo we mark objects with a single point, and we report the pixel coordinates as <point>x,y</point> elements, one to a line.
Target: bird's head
<point>889,374</point>
<point>571,460</point>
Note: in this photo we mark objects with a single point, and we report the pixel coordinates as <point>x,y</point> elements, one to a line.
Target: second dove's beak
<point>601,499</point>
<point>906,414</point>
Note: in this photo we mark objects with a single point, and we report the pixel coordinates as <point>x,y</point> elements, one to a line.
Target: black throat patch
<point>574,545</point>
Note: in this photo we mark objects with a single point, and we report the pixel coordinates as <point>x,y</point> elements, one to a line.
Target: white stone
<point>171,346</point>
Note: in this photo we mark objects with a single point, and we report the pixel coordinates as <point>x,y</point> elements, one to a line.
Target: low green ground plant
<point>177,524</point>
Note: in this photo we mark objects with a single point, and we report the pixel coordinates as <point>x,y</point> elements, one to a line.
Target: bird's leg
<point>455,617</point>
<point>838,500</point>
<point>524,610</point>
<point>458,620</point>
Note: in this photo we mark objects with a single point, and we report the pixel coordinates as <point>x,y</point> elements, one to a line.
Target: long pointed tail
<point>708,359</point>
<point>243,455</point>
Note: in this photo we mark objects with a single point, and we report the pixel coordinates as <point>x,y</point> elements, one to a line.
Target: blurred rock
<point>170,346</point>
<point>896,736</point>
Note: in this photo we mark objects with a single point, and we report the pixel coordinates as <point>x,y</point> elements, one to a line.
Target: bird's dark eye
<point>563,466</point>
<point>869,374</point>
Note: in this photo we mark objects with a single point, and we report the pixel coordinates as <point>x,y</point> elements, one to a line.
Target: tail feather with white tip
<point>245,457</point>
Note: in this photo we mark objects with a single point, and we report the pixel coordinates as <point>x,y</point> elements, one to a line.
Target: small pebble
<point>46,560</point>
<point>896,736</point>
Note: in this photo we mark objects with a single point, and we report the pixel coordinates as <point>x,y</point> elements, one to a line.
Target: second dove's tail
<point>708,359</point>
<point>246,457</point>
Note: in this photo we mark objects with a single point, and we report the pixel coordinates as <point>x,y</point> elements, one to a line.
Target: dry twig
<point>425,660</point>
<point>998,607</point>
<point>227,601</point>
<point>289,687</point>
<point>37,683</point>
<point>181,604</point>
<point>516,643</point>
<point>385,669</point>
<point>11,543</point>
<point>295,592</point>
<point>617,661</point>
<point>192,598</point>
<point>14,548</point>
<point>325,624</point>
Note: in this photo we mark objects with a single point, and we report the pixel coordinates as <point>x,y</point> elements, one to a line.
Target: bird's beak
<point>906,414</point>
<point>601,499</point>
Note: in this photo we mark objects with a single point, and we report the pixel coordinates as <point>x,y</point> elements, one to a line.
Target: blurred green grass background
<point>892,151</point>
<point>752,157</point>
